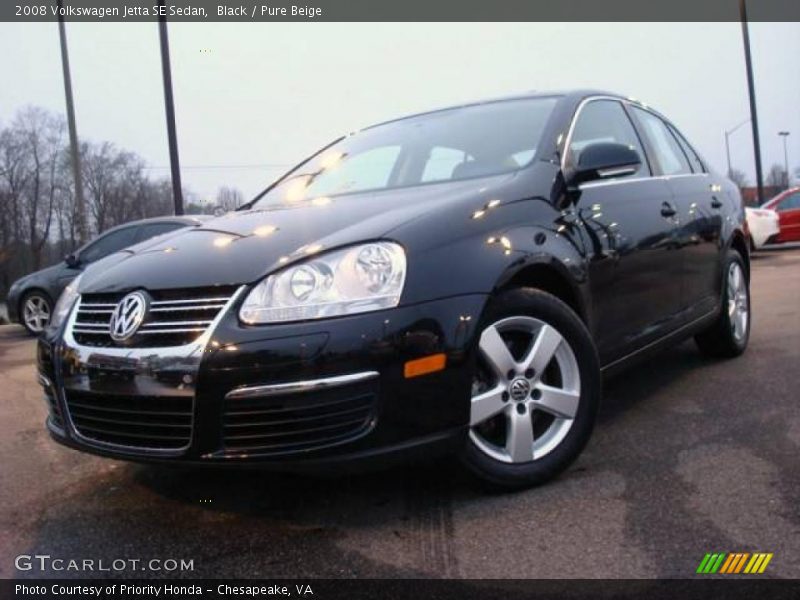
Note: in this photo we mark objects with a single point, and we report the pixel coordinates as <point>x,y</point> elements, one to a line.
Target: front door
<point>630,230</point>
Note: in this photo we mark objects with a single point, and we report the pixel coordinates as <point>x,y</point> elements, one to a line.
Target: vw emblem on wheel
<point>520,389</point>
<point>128,316</point>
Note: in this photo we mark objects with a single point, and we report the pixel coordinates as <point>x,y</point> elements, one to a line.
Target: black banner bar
<point>403,589</point>
<point>200,11</point>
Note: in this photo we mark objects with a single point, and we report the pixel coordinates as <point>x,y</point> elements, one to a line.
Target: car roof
<point>568,95</point>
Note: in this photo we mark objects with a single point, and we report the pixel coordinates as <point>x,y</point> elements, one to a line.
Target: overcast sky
<point>252,96</point>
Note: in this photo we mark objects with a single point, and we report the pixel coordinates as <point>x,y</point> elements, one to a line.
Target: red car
<point>788,206</point>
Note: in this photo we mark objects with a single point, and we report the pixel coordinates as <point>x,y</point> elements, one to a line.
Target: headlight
<point>65,303</point>
<point>353,280</point>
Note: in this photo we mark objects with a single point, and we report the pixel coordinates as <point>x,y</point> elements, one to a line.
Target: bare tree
<point>229,198</point>
<point>32,154</point>
<point>776,177</point>
<point>739,178</point>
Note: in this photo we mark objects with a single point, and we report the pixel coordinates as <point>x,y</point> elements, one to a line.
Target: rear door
<point>631,233</point>
<point>700,205</point>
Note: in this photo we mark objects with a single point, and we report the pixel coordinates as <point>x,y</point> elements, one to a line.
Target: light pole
<point>169,109</point>
<point>727,143</point>
<point>81,228</point>
<point>785,135</point>
<point>748,62</point>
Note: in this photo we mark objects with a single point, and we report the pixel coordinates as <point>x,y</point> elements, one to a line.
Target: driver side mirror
<point>603,160</point>
<point>73,261</point>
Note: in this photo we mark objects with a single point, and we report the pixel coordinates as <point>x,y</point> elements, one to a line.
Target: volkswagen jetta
<point>458,280</point>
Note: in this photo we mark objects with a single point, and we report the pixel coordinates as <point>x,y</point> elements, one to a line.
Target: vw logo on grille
<point>128,316</point>
<point>520,388</point>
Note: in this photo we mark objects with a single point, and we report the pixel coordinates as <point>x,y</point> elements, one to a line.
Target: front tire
<point>536,391</point>
<point>727,337</point>
<point>35,310</point>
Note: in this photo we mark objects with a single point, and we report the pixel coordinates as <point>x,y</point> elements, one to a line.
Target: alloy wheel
<point>526,390</point>
<point>738,304</point>
<point>36,313</point>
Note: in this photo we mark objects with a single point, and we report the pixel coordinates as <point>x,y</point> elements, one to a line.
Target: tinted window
<point>446,145</point>
<point>111,242</point>
<point>669,154</point>
<point>148,231</point>
<point>604,121</point>
<point>694,159</point>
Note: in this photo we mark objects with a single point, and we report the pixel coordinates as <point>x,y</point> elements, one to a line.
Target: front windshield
<point>448,145</point>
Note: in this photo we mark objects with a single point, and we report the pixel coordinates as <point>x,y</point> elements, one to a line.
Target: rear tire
<point>727,337</point>
<point>535,393</point>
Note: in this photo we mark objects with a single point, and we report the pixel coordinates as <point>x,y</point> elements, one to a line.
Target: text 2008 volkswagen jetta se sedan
<point>456,280</point>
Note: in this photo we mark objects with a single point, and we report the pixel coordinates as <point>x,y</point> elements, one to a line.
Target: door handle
<point>716,202</point>
<point>667,210</point>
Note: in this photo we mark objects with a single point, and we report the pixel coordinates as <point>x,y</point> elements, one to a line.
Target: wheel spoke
<point>543,348</point>
<point>487,405</point>
<point>738,323</point>
<point>496,352</point>
<point>519,439</point>
<point>556,401</point>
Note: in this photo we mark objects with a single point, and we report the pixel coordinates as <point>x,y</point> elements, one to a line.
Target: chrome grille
<point>175,317</point>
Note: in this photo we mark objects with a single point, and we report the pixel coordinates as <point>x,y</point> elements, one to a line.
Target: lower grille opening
<point>148,422</point>
<point>295,423</point>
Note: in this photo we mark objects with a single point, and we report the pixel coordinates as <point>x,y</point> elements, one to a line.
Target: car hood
<point>244,246</point>
<point>45,274</point>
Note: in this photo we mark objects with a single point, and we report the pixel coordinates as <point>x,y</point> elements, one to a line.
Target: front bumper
<point>226,392</point>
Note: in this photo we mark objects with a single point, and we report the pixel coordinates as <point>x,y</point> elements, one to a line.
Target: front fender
<point>492,250</point>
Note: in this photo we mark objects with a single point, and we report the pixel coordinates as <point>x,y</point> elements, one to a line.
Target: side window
<point>669,154</point>
<point>604,121</point>
<point>790,202</point>
<point>694,159</point>
<point>149,231</point>
<point>109,243</point>
<point>441,163</point>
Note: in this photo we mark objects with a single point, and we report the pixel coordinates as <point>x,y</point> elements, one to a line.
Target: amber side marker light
<point>423,366</point>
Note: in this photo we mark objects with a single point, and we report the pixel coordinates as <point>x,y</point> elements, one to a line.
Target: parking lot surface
<point>691,455</point>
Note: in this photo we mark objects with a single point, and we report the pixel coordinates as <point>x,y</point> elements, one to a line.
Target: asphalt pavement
<point>690,456</point>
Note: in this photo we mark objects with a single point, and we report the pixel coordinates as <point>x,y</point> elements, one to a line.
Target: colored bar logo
<point>729,563</point>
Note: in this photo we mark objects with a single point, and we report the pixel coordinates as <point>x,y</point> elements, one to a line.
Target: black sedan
<point>31,298</point>
<point>458,280</point>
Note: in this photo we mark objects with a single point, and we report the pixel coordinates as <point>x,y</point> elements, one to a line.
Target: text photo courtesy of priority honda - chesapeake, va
<point>396,301</point>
